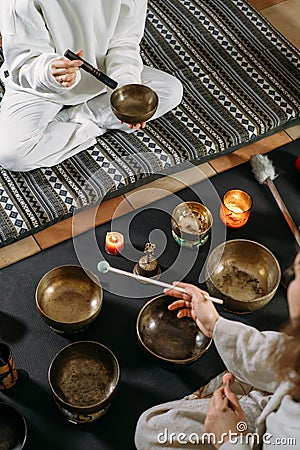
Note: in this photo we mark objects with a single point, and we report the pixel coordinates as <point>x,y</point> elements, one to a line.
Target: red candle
<point>114,243</point>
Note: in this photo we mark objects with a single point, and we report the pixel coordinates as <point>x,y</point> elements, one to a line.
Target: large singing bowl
<point>69,298</point>
<point>84,377</point>
<point>134,103</point>
<point>244,273</point>
<point>172,342</point>
<point>13,428</point>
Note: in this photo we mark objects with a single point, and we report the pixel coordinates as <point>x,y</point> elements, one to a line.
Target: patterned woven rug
<point>241,82</point>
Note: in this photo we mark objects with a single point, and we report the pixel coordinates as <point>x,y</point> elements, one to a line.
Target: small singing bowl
<point>69,298</point>
<point>171,341</point>
<point>244,274</point>
<point>83,378</point>
<point>191,224</point>
<point>134,103</point>
<point>13,428</point>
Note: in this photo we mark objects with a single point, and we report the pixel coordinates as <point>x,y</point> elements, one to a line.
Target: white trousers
<point>39,133</point>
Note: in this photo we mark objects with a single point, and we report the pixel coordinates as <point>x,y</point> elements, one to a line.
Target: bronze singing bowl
<point>13,428</point>
<point>244,273</point>
<point>173,342</point>
<point>191,222</point>
<point>69,298</point>
<point>134,103</point>
<point>83,378</point>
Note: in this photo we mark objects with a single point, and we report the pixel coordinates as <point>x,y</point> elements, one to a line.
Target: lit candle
<point>114,242</point>
<point>235,208</point>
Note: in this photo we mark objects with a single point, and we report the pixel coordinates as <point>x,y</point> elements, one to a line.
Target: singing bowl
<point>13,428</point>
<point>83,378</point>
<point>244,273</point>
<point>69,298</point>
<point>134,103</point>
<point>191,222</point>
<point>173,342</point>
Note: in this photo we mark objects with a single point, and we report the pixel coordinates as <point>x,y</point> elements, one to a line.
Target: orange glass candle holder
<point>8,371</point>
<point>114,243</point>
<point>235,208</point>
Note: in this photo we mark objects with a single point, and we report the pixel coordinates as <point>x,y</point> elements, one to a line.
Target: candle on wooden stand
<point>114,242</point>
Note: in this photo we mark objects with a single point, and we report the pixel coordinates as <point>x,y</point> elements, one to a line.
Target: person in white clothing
<point>263,403</point>
<point>51,109</point>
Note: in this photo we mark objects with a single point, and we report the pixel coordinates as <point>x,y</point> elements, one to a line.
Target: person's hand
<point>223,422</point>
<point>64,70</point>
<point>293,293</point>
<point>193,304</point>
<point>137,126</point>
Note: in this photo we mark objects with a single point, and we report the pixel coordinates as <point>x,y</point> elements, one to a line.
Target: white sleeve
<point>248,353</point>
<point>28,49</point>
<point>123,62</point>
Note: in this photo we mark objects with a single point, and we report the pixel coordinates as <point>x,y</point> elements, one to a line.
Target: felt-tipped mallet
<point>104,267</point>
<point>264,172</point>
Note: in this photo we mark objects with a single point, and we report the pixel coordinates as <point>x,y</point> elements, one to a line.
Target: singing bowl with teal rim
<point>84,378</point>
<point>69,298</point>
<point>244,274</point>
<point>191,223</point>
<point>13,428</point>
<point>134,103</point>
<point>172,342</point>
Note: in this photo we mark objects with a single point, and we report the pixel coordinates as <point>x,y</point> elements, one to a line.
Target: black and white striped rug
<point>241,83</point>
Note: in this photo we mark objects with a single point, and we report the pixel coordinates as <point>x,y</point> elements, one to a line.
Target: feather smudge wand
<point>264,172</point>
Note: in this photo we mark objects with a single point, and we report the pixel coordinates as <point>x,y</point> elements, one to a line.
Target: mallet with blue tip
<point>104,267</point>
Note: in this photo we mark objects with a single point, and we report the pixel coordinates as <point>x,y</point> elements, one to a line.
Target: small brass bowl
<point>13,428</point>
<point>173,342</point>
<point>191,224</point>
<point>244,273</point>
<point>69,298</point>
<point>134,103</point>
<point>83,378</point>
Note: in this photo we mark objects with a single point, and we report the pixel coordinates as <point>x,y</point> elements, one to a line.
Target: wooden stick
<point>92,70</point>
<point>283,209</point>
<point>159,283</point>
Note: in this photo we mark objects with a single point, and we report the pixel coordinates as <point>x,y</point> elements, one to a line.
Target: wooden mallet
<point>104,267</point>
<point>264,172</point>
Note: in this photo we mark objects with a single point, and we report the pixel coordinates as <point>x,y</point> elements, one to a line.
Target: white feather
<point>262,168</point>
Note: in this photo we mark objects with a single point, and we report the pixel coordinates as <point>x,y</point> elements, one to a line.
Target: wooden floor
<point>285,16</point>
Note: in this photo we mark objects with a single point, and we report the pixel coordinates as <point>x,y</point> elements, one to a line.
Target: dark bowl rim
<point>211,217</point>
<point>130,116</point>
<point>161,358</point>
<point>68,324</point>
<point>94,405</point>
<point>130,85</point>
<point>259,299</point>
<point>21,416</point>
<point>147,115</point>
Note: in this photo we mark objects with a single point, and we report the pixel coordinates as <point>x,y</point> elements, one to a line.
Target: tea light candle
<point>235,208</point>
<point>114,243</point>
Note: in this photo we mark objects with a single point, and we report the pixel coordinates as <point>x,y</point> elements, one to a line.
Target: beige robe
<point>249,355</point>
